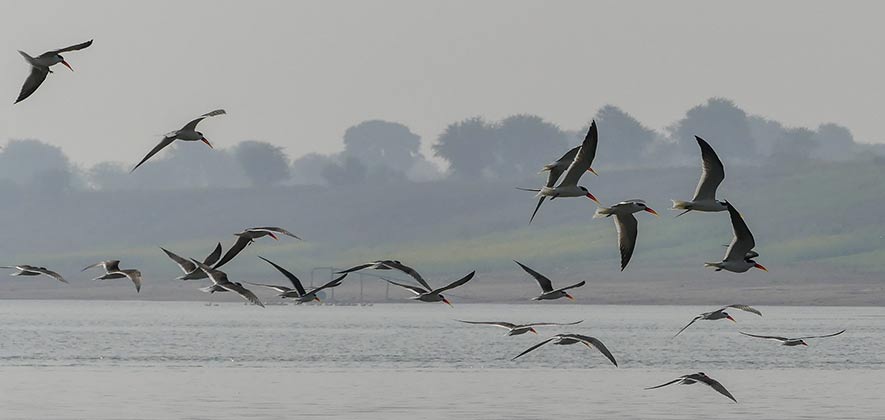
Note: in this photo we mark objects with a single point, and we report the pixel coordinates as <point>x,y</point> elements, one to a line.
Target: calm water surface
<point>185,360</point>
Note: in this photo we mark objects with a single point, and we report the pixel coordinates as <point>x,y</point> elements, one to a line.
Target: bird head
<point>446,301</point>
<point>590,196</point>
<point>728,317</point>
<point>642,206</point>
<point>204,140</point>
<point>802,342</point>
<point>757,265</point>
<point>62,60</point>
<point>568,296</point>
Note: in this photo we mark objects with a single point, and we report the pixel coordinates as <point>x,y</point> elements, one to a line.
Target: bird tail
<point>27,57</point>
<point>681,205</point>
<point>529,189</point>
<point>603,212</point>
<point>716,265</point>
<point>546,168</point>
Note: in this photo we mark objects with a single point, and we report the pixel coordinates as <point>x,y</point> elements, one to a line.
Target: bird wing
<point>135,276</point>
<point>583,159</point>
<point>715,385</point>
<point>410,271</point>
<point>275,229</point>
<point>414,289</point>
<point>544,282</point>
<point>559,167</point>
<point>232,252</point>
<point>333,283</point>
<point>49,273</point>
<point>34,80</point>
<point>74,47</point>
<point>821,336</point>
<point>770,337</point>
<point>679,379</point>
<point>746,308</point>
<point>534,347</point>
<point>456,283</point>
<point>163,143</point>
<point>581,283</point>
<point>183,263</point>
<point>543,324</point>
<point>595,343</point>
<point>110,265</point>
<point>743,240</point>
<point>281,289</point>
<point>712,175</point>
<point>243,292</point>
<point>688,325</point>
<point>627,227</point>
<point>355,268</point>
<point>290,276</point>
<point>213,257</point>
<point>501,324</point>
<point>217,276</point>
<point>537,207</point>
<point>193,124</point>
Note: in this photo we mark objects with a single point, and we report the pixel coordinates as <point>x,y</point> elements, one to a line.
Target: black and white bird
<point>32,270</point>
<point>425,293</point>
<point>374,265</point>
<point>566,339</point>
<point>297,292</point>
<point>699,377</point>
<point>798,341</point>
<point>220,283</point>
<point>740,254</point>
<point>568,187</point>
<point>248,236</point>
<point>518,329</point>
<point>556,169</point>
<point>626,225</point>
<point>720,314</point>
<point>191,271</point>
<point>713,173</point>
<point>113,271</point>
<point>40,67</point>
<point>187,133</point>
<point>547,290</point>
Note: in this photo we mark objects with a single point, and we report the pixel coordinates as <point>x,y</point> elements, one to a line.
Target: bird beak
<point>273,236</point>
<point>731,319</point>
<point>533,330</point>
<point>592,171</point>
<point>205,140</point>
<point>569,296</point>
<point>447,302</point>
<point>761,267</point>
<point>805,344</point>
<point>316,299</point>
<point>652,211</point>
<point>67,65</point>
<point>590,196</point>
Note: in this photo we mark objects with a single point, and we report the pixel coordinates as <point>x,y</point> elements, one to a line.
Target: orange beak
<point>67,65</point>
<point>590,196</point>
<point>761,267</point>
<point>316,299</point>
<point>273,236</point>
<point>730,319</point>
<point>205,140</point>
<point>533,330</point>
<point>592,171</point>
<point>568,296</point>
<point>652,211</point>
<point>447,302</point>
<point>805,344</point>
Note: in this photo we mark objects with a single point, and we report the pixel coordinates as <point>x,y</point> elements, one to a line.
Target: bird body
<point>720,314</point>
<point>248,236</point>
<point>187,133</point>
<point>626,225</point>
<point>518,329</point>
<point>740,254</point>
<point>191,270</point>
<point>791,342</point>
<point>699,377</point>
<point>547,290</point>
<point>40,67</point>
<point>113,271</point>
<point>31,270</point>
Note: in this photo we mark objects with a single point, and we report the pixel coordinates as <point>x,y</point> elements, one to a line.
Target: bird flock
<point>563,176</point>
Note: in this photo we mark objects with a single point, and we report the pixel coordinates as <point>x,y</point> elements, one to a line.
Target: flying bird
<point>713,173</point>
<point>40,67</point>
<point>425,293</point>
<point>31,270</point>
<point>626,225</point>
<point>113,271</point>
<point>547,291</point>
<point>517,329</point>
<point>298,293</point>
<point>699,377</point>
<point>568,187</point>
<point>187,133</point>
<point>740,254</point>
<point>221,283</point>
<point>191,271</point>
<point>799,341</point>
<point>248,236</point>
<point>720,314</point>
<point>566,339</point>
<point>556,169</point>
<point>374,265</point>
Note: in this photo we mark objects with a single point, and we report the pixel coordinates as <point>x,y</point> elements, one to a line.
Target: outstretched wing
<point>679,379</point>
<point>355,268</point>
<point>34,80</point>
<point>712,175</point>
<point>243,292</point>
<point>74,47</point>
<point>594,343</point>
<point>688,325</point>
<point>290,276</point>
<point>410,271</point>
<point>627,228</point>
<point>184,264</point>
<point>163,143</point>
<point>543,324</point>
<point>280,289</point>
<point>746,308</point>
<point>232,252</point>
<point>533,347</point>
<point>583,159</point>
<point>715,385</point>
<point>501,324</point>
<point>275,229</point>
<point>211,258</point>
<point>581,283</point>
<point>49,273</point>
<point>193,124</point>
<point>821,336</point>
<point>455,283</point>
<point>544,282</point>
<point>333,283</point>
<point>743,240</point>
<point>770,337</point>
<point>537,207</point>
<point>414,289</point>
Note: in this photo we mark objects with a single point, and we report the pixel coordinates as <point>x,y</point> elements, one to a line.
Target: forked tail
<point>603,212</point>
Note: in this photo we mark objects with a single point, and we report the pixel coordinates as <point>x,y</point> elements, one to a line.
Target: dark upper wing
<point>579,284</point>
<point>715,385</point>
<point>186,265</point>
<point>456,283</point>
<point>544,282</point>
<point>193,124</point>
<point>627,229</point>
<point>772,337</point>
<point>533,347</point>
<point>668,383</point>
<point>165,142</point>
<point>746,308</point>
<point>74,47</point>
<point>495,323</point>
<point>333,283</point>
<point>243,292</point>
<point>410,271</point>
<point>583,159</point>
<point>414,289</point>
<point>281,289</point>
<point>290,276</point>
<point>743,240</point>
<point>355,268</point>
<point>595,343</point>
<point>542,324</point>
<point>211,258</point>
<point>50,273</point>
<point>688,325</point>
<point>821,336</point>
<point>556,170</point>
<point>277,230</point>
<point>34,80</point>
<point>712,175</point>
<point>234,250</point>
<point>538,207</point>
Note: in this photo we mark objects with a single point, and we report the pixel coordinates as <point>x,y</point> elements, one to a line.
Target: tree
<point>263,163</point>
<point>308,169</point>
<point>350,171</point>
<point>834,142</point>
<point>383,143</point>
<point>23,161</point>
<point>721,123</point>
<point>525,143</point>
<point>469,147</point>
<point>795,146</point>
<point>623,139</point>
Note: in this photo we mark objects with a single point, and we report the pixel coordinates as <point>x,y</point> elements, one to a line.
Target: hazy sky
<point>298,74</point>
